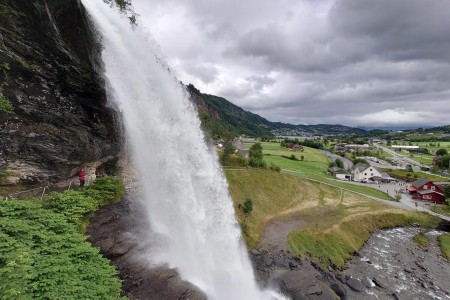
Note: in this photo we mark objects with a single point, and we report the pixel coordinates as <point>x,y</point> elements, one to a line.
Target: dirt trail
<point>274,236</point>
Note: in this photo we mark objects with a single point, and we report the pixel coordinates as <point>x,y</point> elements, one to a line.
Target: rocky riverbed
<point>392,266</point>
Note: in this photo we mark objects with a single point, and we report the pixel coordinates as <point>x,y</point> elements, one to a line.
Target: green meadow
<point>313,166</point>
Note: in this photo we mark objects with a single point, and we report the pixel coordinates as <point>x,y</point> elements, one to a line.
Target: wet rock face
<point>295,278</point>
<point>47,73</point>
<point>115,230</point>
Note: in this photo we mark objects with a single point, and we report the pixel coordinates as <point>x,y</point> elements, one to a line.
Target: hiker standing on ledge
<point>82,176</point>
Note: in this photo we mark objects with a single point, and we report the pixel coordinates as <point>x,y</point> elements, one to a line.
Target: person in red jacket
<point>82,178</point>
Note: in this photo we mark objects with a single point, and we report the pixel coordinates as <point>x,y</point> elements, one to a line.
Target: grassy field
<point>442,145</point>
<point>444,244</point>
<point>415,175</point>
<point>443,210</point>
<point>314,166</point>
<point>426,159</point>
<point>331,220</point>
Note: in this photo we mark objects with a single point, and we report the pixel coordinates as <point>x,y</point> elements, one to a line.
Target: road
<point>400,159</point>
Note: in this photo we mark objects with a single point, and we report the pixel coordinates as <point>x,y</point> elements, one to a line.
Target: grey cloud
<point>204,71</point>
<point>327,61</point>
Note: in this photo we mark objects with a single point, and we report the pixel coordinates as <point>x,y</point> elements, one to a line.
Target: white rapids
<point>184,190</point>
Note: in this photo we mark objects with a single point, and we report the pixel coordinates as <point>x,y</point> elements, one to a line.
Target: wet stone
<point>355,284</point>
<point>366,283</point>
<point>255,252</point>
<point>268,261</point>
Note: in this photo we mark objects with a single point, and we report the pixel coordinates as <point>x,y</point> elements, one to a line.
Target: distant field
<point>332,226</point>
<point>442,145</point>
<point>314,166</point>
<point>426,159</point>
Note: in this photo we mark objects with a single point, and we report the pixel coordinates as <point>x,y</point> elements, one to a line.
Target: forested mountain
<point>219,115</point>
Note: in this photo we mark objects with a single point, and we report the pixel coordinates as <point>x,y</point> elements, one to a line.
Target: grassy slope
<point>314,166</point>
<point>330,222</point>
<point>443,210</point>
<point>444,244</point>
<point>415,175</point>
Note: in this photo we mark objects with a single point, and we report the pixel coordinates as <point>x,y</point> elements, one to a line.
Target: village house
<point>425,190</point>
<point>363,173</point>
<point>295,147</point>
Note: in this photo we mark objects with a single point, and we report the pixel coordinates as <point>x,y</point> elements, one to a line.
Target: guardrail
<point>41,191</point>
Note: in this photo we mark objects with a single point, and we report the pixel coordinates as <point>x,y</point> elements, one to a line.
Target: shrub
<point>339,163</point>
<point>302,158</point>
<point>257,163</point>
<point>442,152</point>
<point>5,106</point>
<point>78,206</point>
<point>248,206</point>
<point>274,167</point>
<point>256,151</point>
<point>42,256</point>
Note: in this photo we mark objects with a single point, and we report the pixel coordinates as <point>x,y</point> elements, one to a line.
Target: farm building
<point>295,147</point>
<point>418,150</point>
<point>339,173</point>
<point>425,190</point>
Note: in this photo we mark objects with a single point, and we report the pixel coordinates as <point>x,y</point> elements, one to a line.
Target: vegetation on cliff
<point>43,252</point>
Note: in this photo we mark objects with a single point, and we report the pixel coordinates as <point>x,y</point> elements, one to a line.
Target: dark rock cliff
<point>47,73</point>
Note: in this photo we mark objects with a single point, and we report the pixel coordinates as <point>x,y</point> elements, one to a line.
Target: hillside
<point>219,115</point>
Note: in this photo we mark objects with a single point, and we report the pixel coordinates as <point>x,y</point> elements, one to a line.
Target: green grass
<point>444,244</point>
<point>443,145</point>
<point>335,246</point>
<point>414,175</point>
<point>426,159</point>
<point>280,195</point>
<point>314,166</point>
<point>443,210</point>
<point>421,240</point>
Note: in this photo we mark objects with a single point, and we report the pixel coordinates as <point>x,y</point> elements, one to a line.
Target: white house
<point>363,172</point>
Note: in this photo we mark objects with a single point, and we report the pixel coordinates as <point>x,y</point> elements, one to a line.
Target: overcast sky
<point>351,62</point>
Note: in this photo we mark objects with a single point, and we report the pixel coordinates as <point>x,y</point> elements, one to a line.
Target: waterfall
<point>184,190</point>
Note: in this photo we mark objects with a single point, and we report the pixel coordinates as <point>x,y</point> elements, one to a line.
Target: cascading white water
<point>185,192</point>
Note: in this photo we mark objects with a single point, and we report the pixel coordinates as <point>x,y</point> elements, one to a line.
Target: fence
<point>40,192</point>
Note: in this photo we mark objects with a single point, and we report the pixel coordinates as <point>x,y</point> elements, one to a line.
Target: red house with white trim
<point>425,190</point>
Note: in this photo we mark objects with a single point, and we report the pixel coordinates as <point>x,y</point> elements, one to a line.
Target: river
<point>392,266</point>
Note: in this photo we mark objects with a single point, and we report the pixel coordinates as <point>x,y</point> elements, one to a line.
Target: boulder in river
<point>355,284</point>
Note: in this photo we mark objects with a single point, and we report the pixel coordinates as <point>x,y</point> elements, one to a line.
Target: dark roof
<point>333,169</point>
<point>360,166</point>
<point>385,175</point>
<point>420,182</point>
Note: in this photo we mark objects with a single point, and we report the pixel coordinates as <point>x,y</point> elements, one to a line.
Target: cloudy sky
<point>352,62</point>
